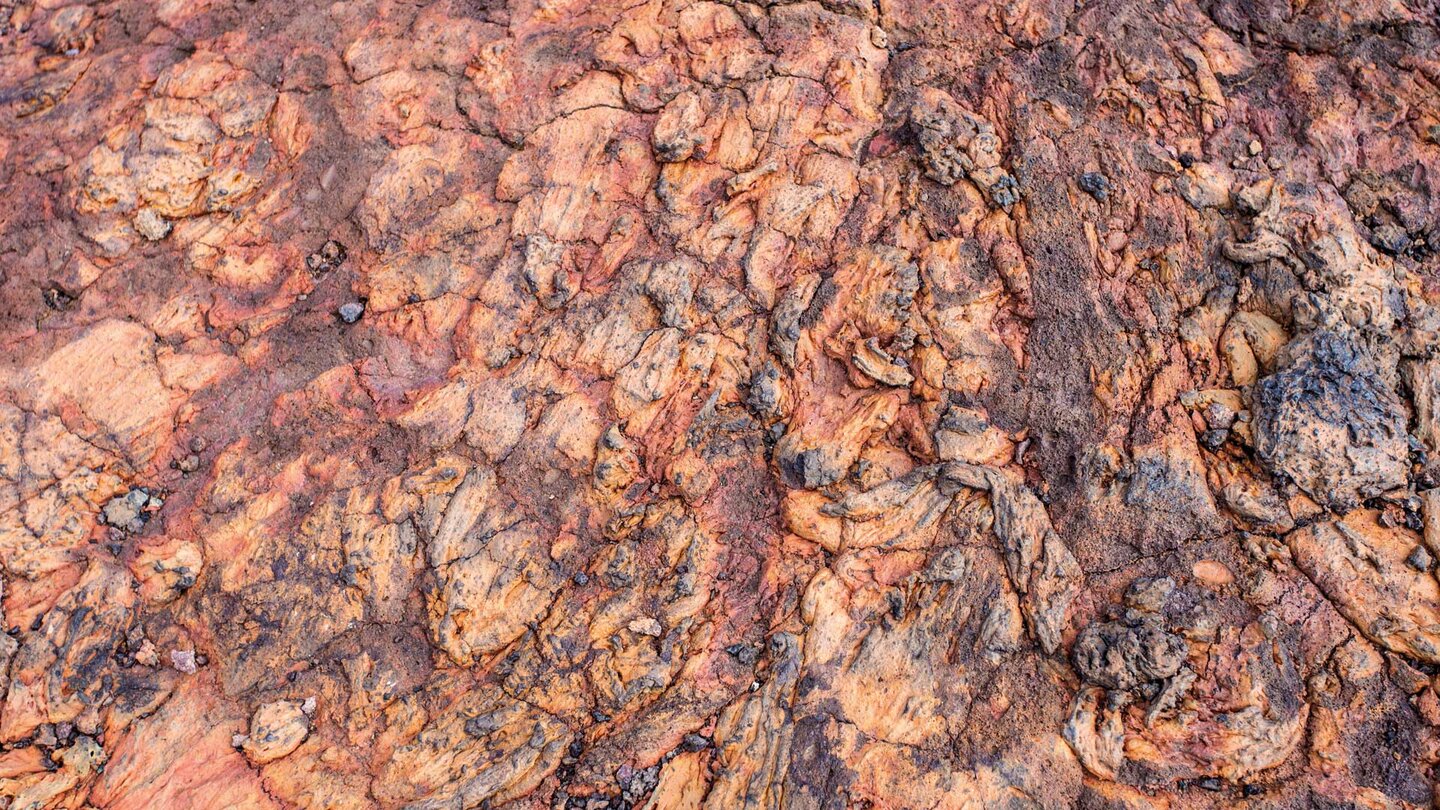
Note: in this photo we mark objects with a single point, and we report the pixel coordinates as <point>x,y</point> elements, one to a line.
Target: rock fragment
<point>351,312</point>
<point>1095,184</point>
<point>131,510</point>
<point>151,225</point>
<point>184,661</point>
<point>1326,402</point>
<point>276,730</point>
<point>327,259</point>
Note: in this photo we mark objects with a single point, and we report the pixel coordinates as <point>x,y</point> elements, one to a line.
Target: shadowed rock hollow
<point>719,405</point>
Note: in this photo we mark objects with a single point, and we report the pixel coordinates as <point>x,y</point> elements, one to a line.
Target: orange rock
<point>718,405</point>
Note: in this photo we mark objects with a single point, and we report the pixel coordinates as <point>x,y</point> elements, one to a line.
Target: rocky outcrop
<point>695,404</point>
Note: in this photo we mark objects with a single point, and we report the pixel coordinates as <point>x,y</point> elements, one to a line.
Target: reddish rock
<point>719,405</point>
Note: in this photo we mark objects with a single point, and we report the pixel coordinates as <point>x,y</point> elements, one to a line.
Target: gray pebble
<point>351,312</point>
<point>1419,559</point>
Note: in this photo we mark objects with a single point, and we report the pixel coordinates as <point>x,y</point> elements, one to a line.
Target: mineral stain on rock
<point>704,405</point>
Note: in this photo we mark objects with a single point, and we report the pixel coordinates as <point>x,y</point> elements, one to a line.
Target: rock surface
<point>689,404</point>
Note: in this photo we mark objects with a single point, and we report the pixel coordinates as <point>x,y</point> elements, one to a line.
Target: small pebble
<point>694,742</point>
<point>329,257</point>
<point>57,299</point>
<point>151,225</point>
<point>1214,439</point>
<point>1419,559</point>
<point>1005,192</point>
<point>479,727</point>
<point>1095,184</point>
<point>1212,573</point>
<point>183,660</point>
<point>1391,239</point>
<point>744,653</point>
<point>646,626</point>
<point>351,312</point>
<point>128,511</point>
<point>1255,147</point>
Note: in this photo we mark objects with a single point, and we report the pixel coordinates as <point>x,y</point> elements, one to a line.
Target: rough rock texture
<point>719,404</point>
